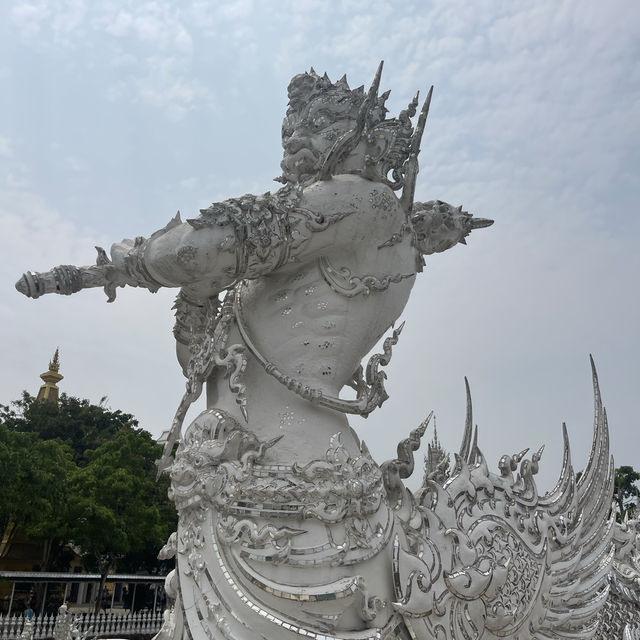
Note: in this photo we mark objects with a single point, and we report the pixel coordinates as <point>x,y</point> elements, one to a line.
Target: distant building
<point>49,390</point>
<point>163,437</point>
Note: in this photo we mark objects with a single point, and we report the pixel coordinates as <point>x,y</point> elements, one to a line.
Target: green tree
<point>625,491</point>
<point>118,514</point>
<point>80,473</point>
<point>34,476</point>
<point>78,423</point>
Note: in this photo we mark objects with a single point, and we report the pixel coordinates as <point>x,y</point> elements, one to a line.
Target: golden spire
<point>54,365</point>
<point>49,390</point>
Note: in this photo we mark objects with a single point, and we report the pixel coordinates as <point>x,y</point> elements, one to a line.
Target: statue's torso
<point>314,499</point>
<point>316,321</point>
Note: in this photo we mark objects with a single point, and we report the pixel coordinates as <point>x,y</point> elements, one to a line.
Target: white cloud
<point>236,10</point>
<point>5,148</point>
<point>29,17</point>
<point>76,164</point>
<point>153,24</point>
<point>16,180</point>
<point>13,171</point>
<point>68,20</point>
<point>38,230</point>
<point>165,87</point>
<point>189,183</point>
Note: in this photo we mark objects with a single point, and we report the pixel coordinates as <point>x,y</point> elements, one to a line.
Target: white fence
<point>102,624</point>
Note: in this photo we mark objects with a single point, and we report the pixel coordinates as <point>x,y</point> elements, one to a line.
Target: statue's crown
<point>391,145</point>
<point>315,103</point>
<point>306,88</point>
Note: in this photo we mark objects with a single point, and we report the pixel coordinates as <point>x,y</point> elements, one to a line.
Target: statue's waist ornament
<point>331,513</point>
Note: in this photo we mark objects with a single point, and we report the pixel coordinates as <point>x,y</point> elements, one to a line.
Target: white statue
<point>621,615</point>
<point>287,526</point>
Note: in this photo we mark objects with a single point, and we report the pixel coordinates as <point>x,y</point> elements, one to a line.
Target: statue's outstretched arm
<point>180,254</point>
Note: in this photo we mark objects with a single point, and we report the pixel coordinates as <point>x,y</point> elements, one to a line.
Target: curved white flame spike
<point>412,106</point>
<point>473,454</point>
<point>556,499</point>
<point>102,257</point>
<point>564,537</point>
<point>465,447</point>
<point>518,456</point>
<point>595,487</point>
<point>422,121</point>
<point>580,566</point>
<point>538,454</point>
<point>600,442</point>
<point>375,85</point>
<point>408,192</point>
<point>404,463</point>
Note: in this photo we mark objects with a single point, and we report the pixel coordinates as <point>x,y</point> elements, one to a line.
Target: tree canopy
<point>77,423</point>
<point>118,513</point>
<point>34,476</point>
<point>80,473</point>
<point>625,491</point>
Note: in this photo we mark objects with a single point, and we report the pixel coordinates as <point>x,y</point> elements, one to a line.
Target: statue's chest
<point>331,287</point>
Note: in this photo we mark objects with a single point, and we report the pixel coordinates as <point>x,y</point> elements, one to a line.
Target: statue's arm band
<point>137,269</point>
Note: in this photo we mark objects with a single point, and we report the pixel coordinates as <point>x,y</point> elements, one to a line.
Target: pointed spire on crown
<point>54,365</point>
<point>343,82</point>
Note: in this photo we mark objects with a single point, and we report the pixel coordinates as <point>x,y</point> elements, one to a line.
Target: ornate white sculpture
<point>288,527</point>
<point>621,615</point>
<point>66,627</point>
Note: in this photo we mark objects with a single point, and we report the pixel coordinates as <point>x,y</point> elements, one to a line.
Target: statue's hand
<point>125,268</point>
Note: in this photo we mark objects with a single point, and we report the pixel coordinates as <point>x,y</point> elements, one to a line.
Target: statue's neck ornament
<point>349,285</point>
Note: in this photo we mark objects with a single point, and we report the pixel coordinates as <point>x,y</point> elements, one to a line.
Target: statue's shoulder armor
<point>368,205</point>
<point>259,229</point>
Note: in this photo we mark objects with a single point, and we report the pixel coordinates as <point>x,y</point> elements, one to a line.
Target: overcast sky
<point>114,114</point>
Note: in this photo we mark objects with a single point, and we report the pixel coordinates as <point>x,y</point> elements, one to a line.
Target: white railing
<point>92,625</point>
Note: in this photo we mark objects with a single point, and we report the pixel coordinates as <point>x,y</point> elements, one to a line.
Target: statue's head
<point>319,113</point>
<point>330,128</point>
<point>439,226</point>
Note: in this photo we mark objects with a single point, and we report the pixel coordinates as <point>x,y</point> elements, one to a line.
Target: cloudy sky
<point>115,114</point>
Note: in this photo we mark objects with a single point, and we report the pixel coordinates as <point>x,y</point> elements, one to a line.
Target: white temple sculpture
<point>287,526</point>
<point>621,615</point>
